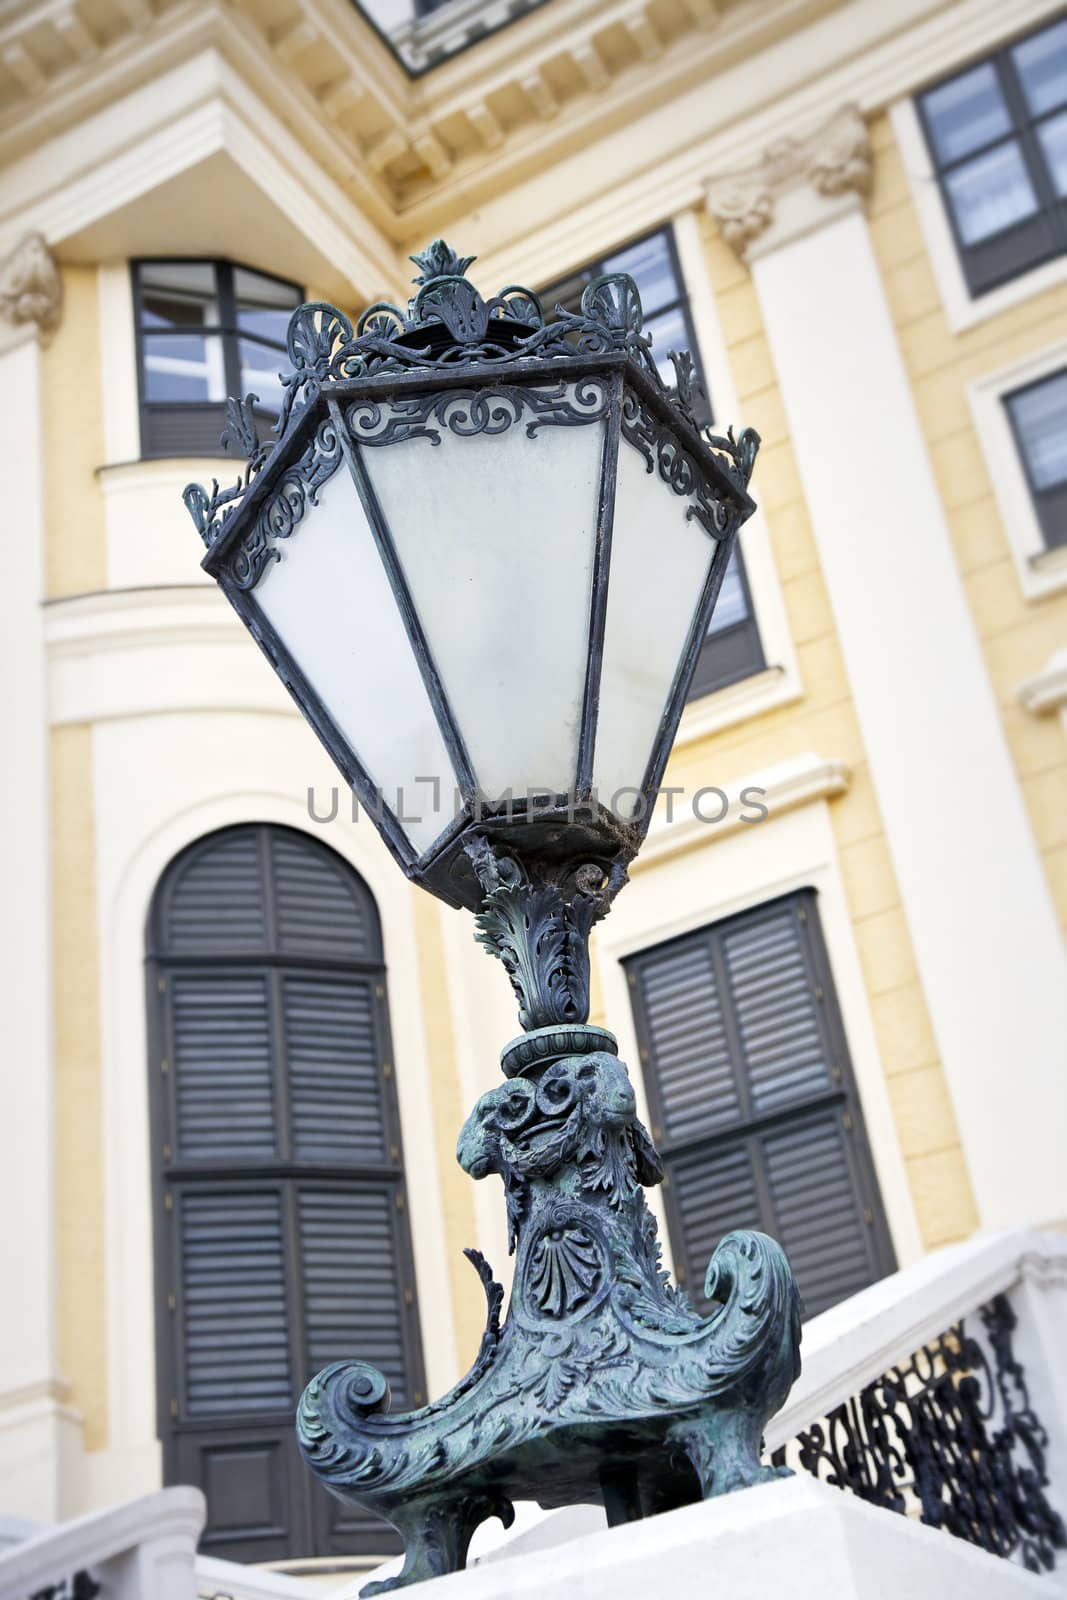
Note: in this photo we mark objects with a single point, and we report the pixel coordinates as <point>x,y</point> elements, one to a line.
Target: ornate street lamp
<point>482,555</point>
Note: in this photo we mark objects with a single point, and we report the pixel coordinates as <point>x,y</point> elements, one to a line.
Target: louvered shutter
<point>282,1236</point>
<point>754,1106</point>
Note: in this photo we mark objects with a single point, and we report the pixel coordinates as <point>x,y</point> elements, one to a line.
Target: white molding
<point>1040,570</point>
<point>791,783</point>
<point>153,652</point>
<point>216,769</point>
<point>781,683</point>
<point>723,873</point>
<point>962,310</point>
<point>1046,691</point>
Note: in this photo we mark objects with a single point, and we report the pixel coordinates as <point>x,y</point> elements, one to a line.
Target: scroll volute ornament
<point>31,289</point>
<point>833,160</point>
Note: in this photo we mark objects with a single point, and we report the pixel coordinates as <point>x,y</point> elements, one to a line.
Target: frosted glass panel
<point>495,533</point>
<point>329,600</point>
<point>659,562</point>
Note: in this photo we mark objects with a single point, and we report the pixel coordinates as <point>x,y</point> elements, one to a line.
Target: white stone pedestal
<point>795,1539</point>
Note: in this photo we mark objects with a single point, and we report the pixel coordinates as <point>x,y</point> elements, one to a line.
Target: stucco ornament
<point>602,1383</point>
<point>833,160</point>
<point>31,289</point>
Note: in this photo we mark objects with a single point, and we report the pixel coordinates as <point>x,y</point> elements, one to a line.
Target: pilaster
<point>39,1441</point>
<point>977,903</point>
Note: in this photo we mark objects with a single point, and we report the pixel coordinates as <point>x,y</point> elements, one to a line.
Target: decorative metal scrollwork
<point>662,453</point>
<point>447,324</point>
<point>467,412</point>
<point>951,1435</point>
<point>283,509</point>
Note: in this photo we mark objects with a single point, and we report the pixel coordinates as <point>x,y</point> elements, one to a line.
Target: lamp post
<point>482,555</point>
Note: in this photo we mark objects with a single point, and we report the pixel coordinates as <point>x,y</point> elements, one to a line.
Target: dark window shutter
<point>755,1110</point>
<point>334,1055</point>
<point>234,1323</point>
<point>282,1238</point>
<point>223,1065</point>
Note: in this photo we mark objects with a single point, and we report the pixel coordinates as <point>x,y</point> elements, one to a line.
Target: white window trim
<point>1041,569</point>
<point>129,866</point>
<point>962,309</point>
<point>730,872</point>
<point>780,681</point>
<point>119,400</point>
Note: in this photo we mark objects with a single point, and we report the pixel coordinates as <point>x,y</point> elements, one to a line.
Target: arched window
<point>282,1239</point>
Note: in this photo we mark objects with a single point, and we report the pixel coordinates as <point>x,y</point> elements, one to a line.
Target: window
<point>1038,415</point>
<point>282,1240</point>
<point>206,330</point>
<point>753,1105</point>
<point>998,137</point>
<point>732,649</point>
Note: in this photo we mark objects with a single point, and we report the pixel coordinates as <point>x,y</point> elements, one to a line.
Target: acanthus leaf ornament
<point>31,289</point>
<point>540,932</point>
<point>832,160</point>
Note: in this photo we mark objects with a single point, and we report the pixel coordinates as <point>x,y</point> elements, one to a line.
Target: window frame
<point>1044,501</point>
<point>1052,207</point>
<point>229,334</point>
<point>284,1174</point>
<point>736,652</point>
<point>842,1093</point>
<point>1041,568</point>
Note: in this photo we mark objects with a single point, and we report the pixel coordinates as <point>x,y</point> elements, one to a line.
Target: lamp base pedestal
<point>602,1383</point>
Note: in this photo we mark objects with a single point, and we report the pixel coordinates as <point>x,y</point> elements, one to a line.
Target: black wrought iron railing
<point>950,1437</point>
<point>78,1587</point>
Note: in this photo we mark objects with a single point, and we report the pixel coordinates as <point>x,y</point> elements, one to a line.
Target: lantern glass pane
<point>495,534</point>
<point>330,602</point>
<point>659,563</point>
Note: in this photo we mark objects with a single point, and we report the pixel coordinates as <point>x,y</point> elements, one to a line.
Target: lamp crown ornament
<point>482,549</point>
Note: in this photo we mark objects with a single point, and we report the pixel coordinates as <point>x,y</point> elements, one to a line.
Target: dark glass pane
<point>650,266</point>
<point>1040,416</point>
<point>179,294</point>
<point>669,332</point>
<point>1053,136</point>
<point>1041,62</point>
<point>183,367</point>
<point>260,367</point>
<point>732,604</point>
<point>966,113</point>
<point>991,193</point>
<point>264,305</point>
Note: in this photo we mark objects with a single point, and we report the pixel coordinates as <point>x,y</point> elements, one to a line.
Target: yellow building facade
<point>902,715</point>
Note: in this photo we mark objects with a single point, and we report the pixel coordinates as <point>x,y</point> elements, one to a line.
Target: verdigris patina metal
<point>602,1382</point>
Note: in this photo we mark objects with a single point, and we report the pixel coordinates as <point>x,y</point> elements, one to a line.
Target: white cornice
<point>781,788</point>
<point>634,131</point>
<point>202,108</point>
